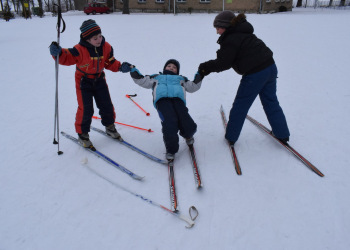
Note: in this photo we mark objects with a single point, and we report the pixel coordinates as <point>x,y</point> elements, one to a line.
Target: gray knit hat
<point>223,20</point>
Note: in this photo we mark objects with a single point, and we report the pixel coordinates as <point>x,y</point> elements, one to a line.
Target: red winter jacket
<point>90,60</point>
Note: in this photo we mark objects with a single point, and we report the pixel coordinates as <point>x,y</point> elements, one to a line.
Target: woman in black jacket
<point>241,50</point>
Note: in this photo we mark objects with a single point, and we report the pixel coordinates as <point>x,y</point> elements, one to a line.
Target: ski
<point>123,142</point>
<point>173,197</point>
<point>197,176</point>
<point>232,149</point>
<point>193,212</point>
<point>97,153</point>
<point>286,146</point>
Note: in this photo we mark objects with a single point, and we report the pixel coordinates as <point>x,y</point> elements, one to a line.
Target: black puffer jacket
<point>239,49</point>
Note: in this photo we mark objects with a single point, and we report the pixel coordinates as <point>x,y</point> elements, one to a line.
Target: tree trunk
<point>126,7</point>
<point>299,3</point>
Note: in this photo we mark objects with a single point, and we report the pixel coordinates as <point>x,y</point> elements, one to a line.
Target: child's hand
<point>135,73</point>
<point>125,67</point>
<point>198,78</point>
<point>55,49</point>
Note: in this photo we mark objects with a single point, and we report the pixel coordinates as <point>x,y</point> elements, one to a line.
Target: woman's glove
<point>55,49</point>
<point>202,70</point>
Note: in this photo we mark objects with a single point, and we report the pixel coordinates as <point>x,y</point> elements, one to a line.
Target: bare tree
<point>71,5</point>
<point>126,7</point>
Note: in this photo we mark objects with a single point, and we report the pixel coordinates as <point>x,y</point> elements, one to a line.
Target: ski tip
<point>139,178</point>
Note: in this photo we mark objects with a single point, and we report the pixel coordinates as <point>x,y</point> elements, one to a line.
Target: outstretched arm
<point>143,81</point>
<point>192,86</point>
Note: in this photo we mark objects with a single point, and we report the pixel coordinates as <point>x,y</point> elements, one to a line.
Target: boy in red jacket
<point>91,56</point>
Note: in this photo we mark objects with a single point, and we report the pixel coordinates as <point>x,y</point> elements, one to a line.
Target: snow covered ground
<point>53,202</point>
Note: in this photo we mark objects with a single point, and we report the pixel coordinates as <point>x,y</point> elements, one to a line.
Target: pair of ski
<point>269,132</point>
<point>104,157</point>
<point>192,210</point>
<point>197,177</point>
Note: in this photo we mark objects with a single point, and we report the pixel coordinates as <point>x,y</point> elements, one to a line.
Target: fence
<point>323,4</point>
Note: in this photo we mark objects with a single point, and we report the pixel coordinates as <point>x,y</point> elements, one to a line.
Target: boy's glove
<point>55,49</point>
<point>202,69</point>
<point>198,78</point>
<point>135,73</point>
<point>125,67</point>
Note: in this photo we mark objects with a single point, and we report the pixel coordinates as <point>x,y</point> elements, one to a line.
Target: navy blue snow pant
<point>175,117</point>
<point>262,83</point>
<point>87,90</point>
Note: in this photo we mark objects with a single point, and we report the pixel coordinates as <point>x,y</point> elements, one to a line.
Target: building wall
<point>247,6</point>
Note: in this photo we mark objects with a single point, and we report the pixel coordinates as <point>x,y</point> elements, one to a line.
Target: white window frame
<point>204,1</point>
<point>159,1</point>
<point>141,1</point>
<point>181,1</point>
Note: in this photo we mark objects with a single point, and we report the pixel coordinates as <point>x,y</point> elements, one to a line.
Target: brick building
<point>187,6</point>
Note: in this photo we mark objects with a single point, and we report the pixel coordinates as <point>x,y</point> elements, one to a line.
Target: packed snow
<point>51,201</point>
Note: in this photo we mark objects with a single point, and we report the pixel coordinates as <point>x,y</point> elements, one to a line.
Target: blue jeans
<point>262,83</point>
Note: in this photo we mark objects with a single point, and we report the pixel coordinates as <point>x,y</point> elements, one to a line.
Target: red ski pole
<point>148,130</point>
<point>129,96</point>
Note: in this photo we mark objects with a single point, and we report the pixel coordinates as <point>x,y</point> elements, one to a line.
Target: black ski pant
<point>174,116</point>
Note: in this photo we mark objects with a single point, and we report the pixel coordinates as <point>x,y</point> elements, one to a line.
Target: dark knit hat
<point>223,20</point>
<point>175,62</point>
<point>89,28</point>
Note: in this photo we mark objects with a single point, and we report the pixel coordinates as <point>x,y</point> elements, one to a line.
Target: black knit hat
<point>175,62</point>
<point>223,20</point>
<point>89,28</point>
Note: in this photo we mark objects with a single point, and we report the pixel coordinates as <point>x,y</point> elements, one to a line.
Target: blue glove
<point>125,67</point>
<point>135,73</point>
<point>55,49</point>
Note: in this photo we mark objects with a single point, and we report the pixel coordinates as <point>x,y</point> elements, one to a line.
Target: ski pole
<point>129,96</point>
<point>148,130</point>
<point>193,212</point>
<point>56,124</point>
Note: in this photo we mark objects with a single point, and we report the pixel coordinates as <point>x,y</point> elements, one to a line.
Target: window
<point>159,1</point>
<point>204,1</point>
<point>141,1</point>
<point>181,1</point>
